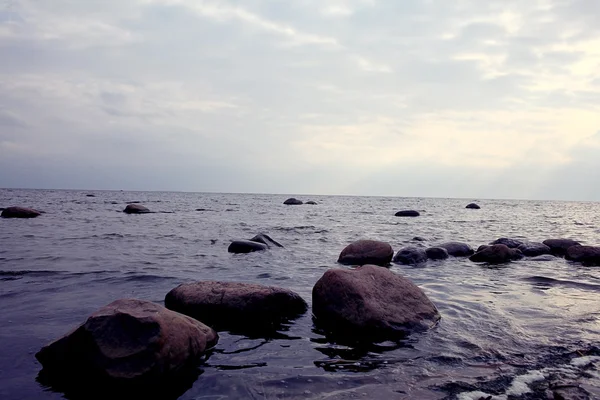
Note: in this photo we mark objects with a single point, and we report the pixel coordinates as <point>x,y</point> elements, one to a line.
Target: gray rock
<point>457,249</point>
<point>265,239</point>
<point>534,249</point>
<point>419,239</point>
<point>293,202</point>
<point>496,254</point>
<point>364,252</point>
<point>312,203</point>
<point>437,253</point>
<point>473,206</point>
<point>370,303</point>
<point>135,209</point>
<point>410,256</point>
<point>20,212</point>
<point>559,247</point>
<point>544,257</point>
<point>236,306</point>
<point>246,246</point>
<point>407,213</point>
<point>511,243</point>
<point>129,342</point>
<point>589,255</point>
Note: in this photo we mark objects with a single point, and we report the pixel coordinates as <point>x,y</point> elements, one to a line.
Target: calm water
<point>500,326</point>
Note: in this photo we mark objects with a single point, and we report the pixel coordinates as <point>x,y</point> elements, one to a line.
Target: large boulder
<point>559,247</point>
<point>473,206</point>
<point>511,243</point>
<point>407,213</point>
<point>127,343</point>
<point>457,249</point>
<point>293,202</point>
<point>370,303</point>
<point>266,240</point>
<point>236,306</point>
<point>20,212</point>
<point>135,209</point>
<point>437,253</point>
<point>364,252</point>
<point>410,256</point>
<point>496,254</point>
<point>589,255</point>
<point>246,246</point>
<point>534,249</point>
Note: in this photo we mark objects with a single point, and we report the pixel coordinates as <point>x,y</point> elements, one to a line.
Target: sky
<point>435,98</point>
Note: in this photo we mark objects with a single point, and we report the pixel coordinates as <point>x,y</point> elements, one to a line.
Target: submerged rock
<point>246,246</point>
<point>293,202</point>
<point>410,256</point>
<point>437,253</point>
<point>543,257</point>
<point>370,303</point>
<point>457,249</point>
<point>496,254</point>
<point>236,306</point>
<point>128,342</point>
<point>589,255</point>
<point>90,195</point>
<point>511,243</point>
<point>407,213</point>
<point>559,247</point>
<point>534,249</point>
<point>20,212</point>
<point>473,206</point>
<point>265,239</point>
<point>312,203</point>
<point>419,239</point>
<point>135,209</point>
<point>367,252</point>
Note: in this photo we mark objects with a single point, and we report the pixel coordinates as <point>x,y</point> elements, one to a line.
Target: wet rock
<point>90,195</point>
<point>559,247</point>
<point>544,257</point>
<point>293,202</point>
<point>569,391</point>
<point>482,247</point>
<point>437,253</point>
<point>135,209</point>
<point>534,249</point>
<point>312,203</point>
<point>589,255</point>
<point>20,212</point>
<point>367,252</point>
<point>246,246</point>
<point>496,254</point>
<point>457,249</point>
<point>266,239</point>
<point>370,303</point>
<point>473,206</point>
<point>419,239</point>
<point>236,306</point>
<point>407,213</point>
<point>511,243</point>
<point>128,343</point>
<point>410,256</point>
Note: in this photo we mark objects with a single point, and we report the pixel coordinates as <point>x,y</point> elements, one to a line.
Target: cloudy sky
<point>464,98</point>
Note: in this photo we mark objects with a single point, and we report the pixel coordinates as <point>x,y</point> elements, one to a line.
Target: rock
<point>457,249</point>
<point>534,249</point>
<point>312,203</point>
<point>496,254</point>
<point>130,343</point>
<point>236,306</point>
<point>437,253</point>
<point>90,195</point>
<point>419,239</point>
<point>482,247</point>
<point>135,209</point>
<point>293,202</point>
<point>511,243</point>
<point>20,212</point>
<point>473,206</point>
<point>544,257</point>
<point>367,252</point>
<point>265,239</point>
<point>559,247</point>
<point>410,256</point>
<point>407,213</point>
<point>589,255</point>
<point>370,303</point>
<point>246,246</point>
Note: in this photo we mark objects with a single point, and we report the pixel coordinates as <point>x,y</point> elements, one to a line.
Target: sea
<point>524,330</point>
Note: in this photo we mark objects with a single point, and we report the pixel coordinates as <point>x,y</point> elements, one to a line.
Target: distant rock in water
<point>543,257</point>
<point>419,239</point>
<point>364,252</point>
<point>312,203</point>
<point>473,206</point>
<point>370,303</point>
<point>534,249</point>
<point>90,195</point>
<point>496,254</point>
<point>246,246</point>
<point>410,256</point>
<point>437,253</point>
<point>242,307</point>
<point>511,243</point>
<point>129,343</point>
<point>265,239</point>
<point>407,213</point>
<point>293,202</point>
<point>20,212</point>
<point>457,249</point>
<point>136,209</point>
<point>559,247</point>
<point>588,255</point>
